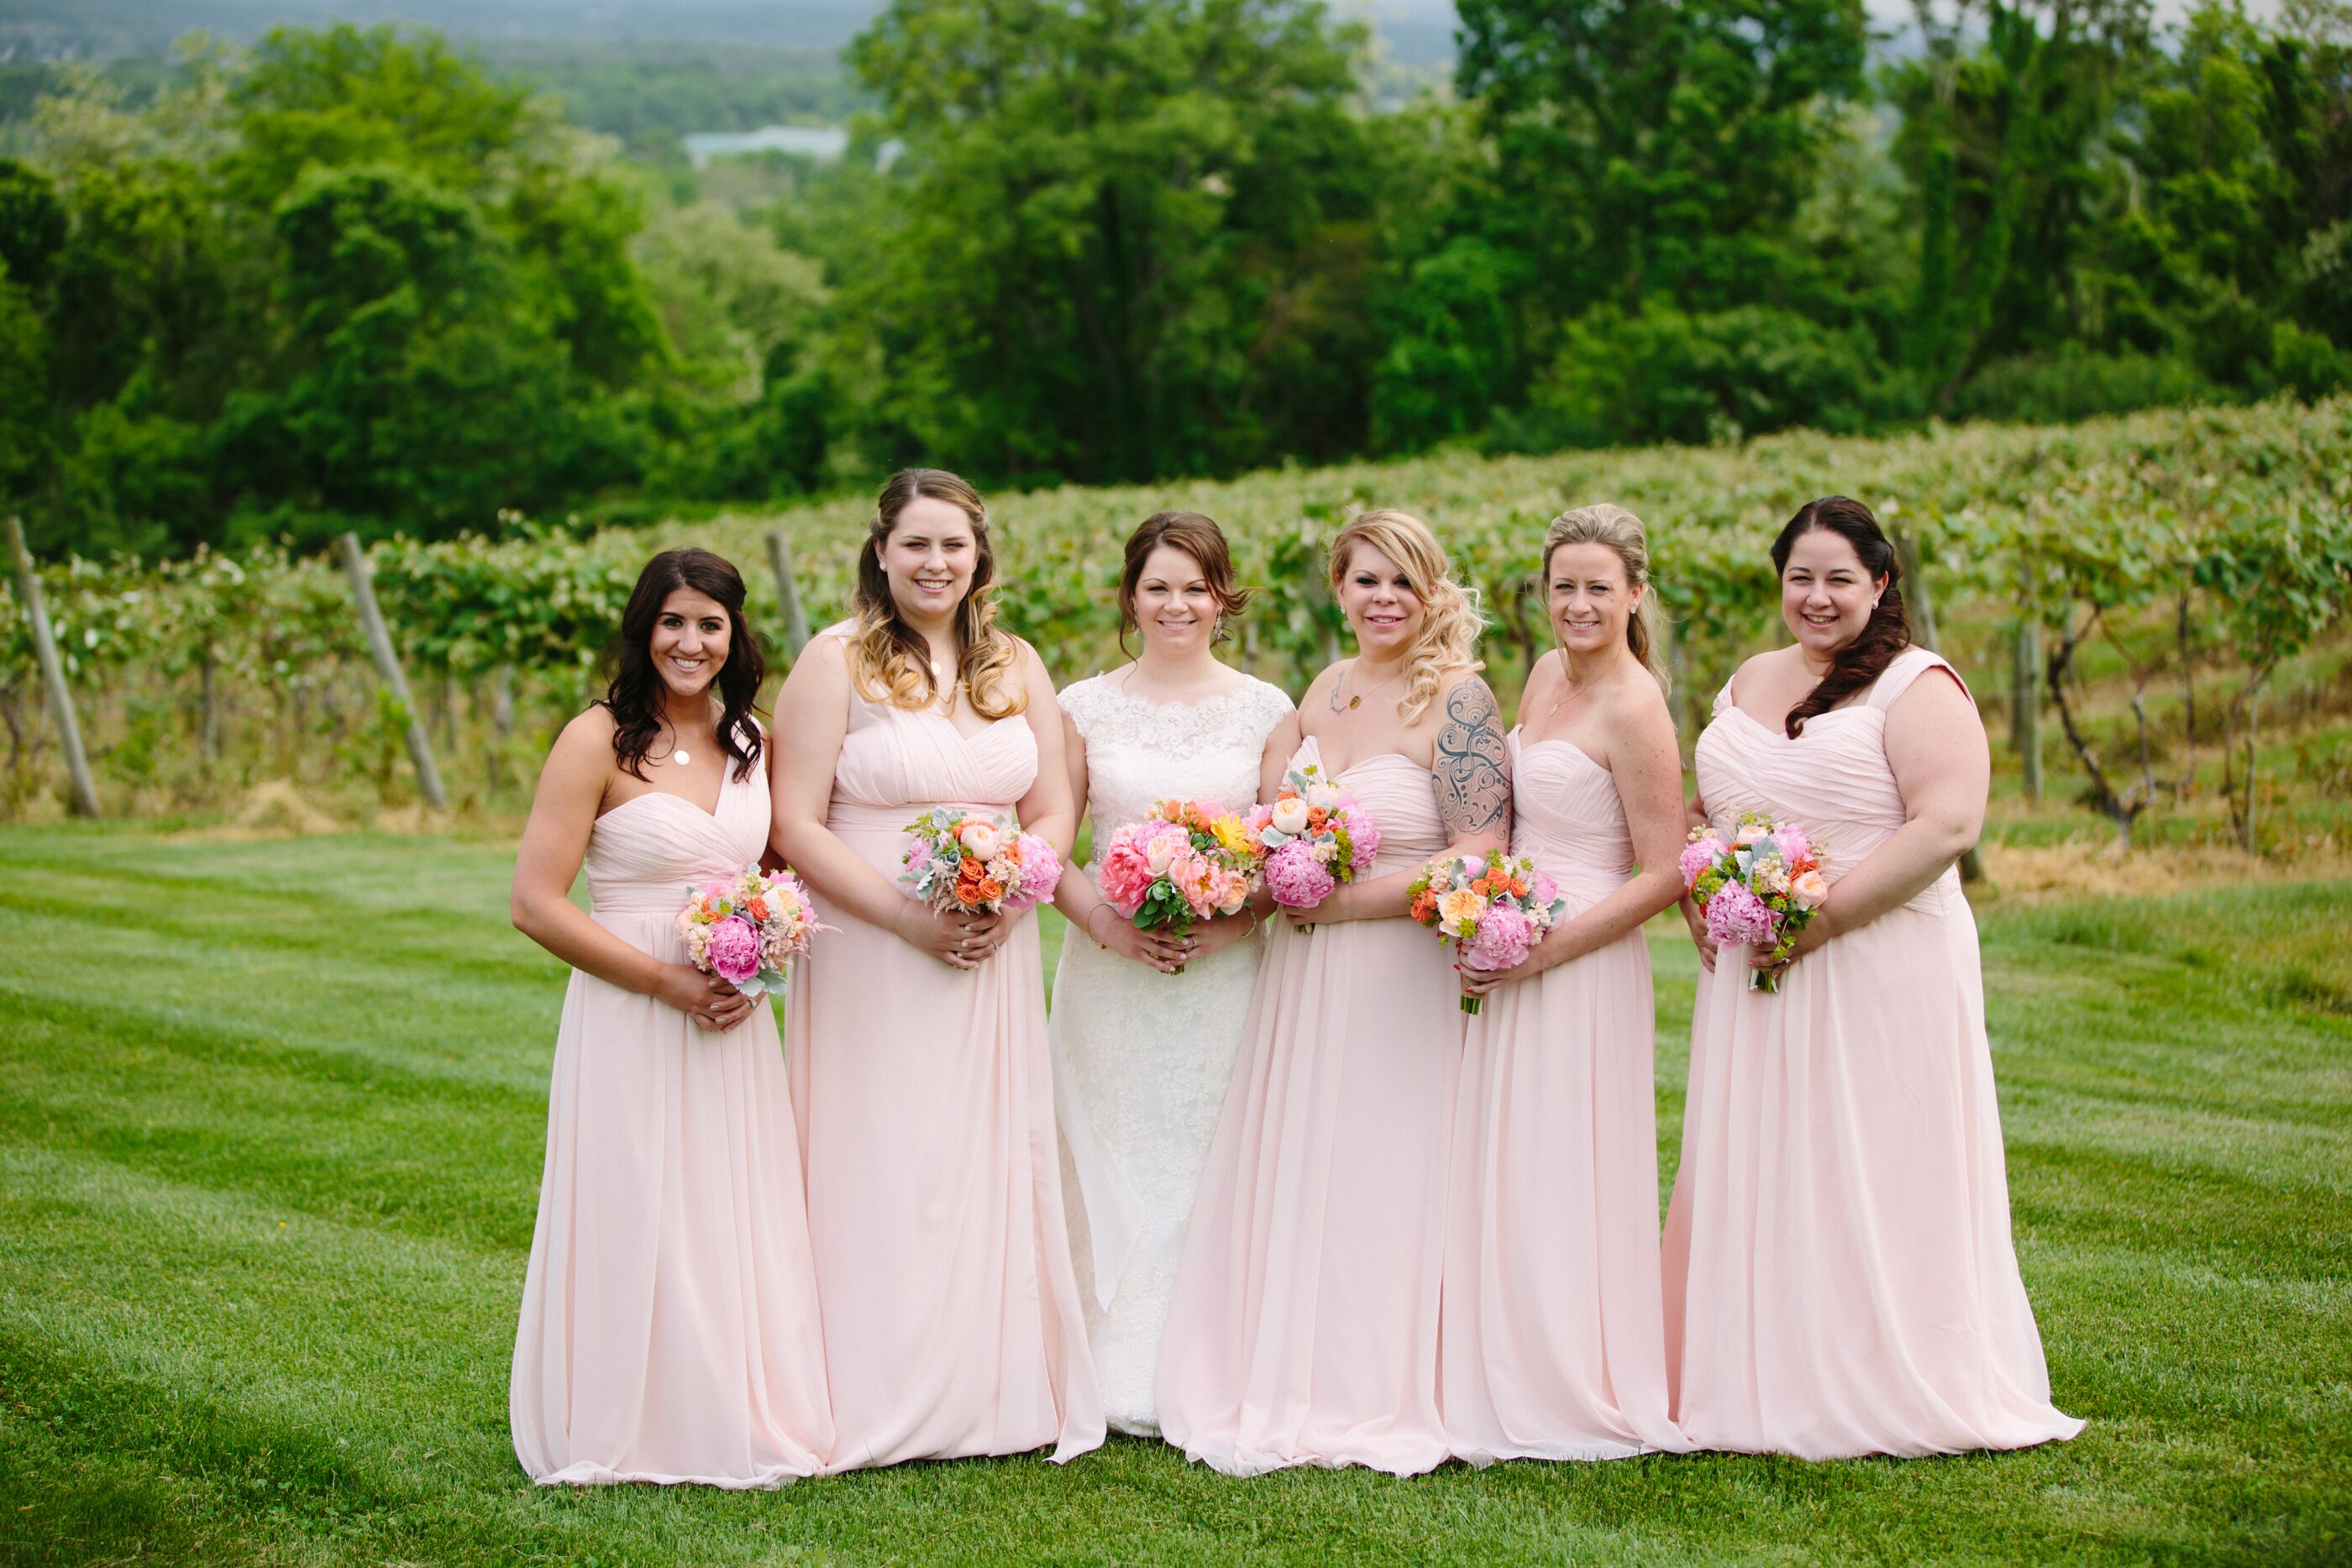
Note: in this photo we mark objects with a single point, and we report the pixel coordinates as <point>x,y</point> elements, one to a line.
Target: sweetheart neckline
<point>711,812</point>
<point>1583,756</point>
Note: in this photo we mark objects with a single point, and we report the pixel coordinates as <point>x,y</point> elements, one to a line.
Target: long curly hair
<point>1619,529</point>
<point>634,695</point>
<point>888,660</point>
<point>1888,631</point>
<point>1449,635</point>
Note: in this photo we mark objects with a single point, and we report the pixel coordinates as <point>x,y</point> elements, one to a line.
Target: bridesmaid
<point>670,1326</point>
<point>1552,1346</point>
<point>1305,1328</point>
<point>1142,1059</point>
<point>1838,1274</point>
<point>916,1040</point>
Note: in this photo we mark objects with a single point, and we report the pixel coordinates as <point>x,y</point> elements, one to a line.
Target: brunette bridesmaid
<point>1305,1325</point>
<point>669,1323</point>
<point>1553,1346</point>
<point>916,1040</point>
<point>1839,1273</point>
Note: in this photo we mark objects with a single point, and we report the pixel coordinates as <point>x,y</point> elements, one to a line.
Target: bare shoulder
<point>1543,681</point>
<point>1464,698</point>
<point>1321,684</point>
<point>590,733</point>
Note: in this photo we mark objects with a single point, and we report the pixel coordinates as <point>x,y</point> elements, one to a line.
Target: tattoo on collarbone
<point>1472,770</point>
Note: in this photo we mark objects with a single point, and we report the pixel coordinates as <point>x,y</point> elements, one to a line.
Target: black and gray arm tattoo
<point>1472,770</point>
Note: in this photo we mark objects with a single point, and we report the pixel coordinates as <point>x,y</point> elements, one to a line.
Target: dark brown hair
<point>1885,634</point>
<point>633,696</point>
<point>1198,537</point>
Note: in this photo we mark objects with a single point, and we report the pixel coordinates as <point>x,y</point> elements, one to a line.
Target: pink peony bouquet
<point>1186,861</point>
<point>1314,837</point>
<point>1758,889</point>
<point>962,859</point>
<point>1493,908</point>
<point>745,929</point>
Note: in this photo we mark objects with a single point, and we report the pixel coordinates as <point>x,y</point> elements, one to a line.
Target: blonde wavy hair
<point>1449,635</point>
<point>888,660</point>
<point>1621,531</point>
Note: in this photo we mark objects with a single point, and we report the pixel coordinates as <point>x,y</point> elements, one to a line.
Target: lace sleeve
<point>1078,700</point>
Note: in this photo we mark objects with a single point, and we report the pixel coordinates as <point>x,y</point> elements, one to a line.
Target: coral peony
<point>734,950</point>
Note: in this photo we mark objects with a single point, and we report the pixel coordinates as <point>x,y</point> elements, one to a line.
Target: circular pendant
<point>680,757</point>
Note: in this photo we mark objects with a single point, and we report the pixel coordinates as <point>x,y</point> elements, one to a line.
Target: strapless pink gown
<point>924,1099</point>
<point>1304,1329</point>
<point>1553,1346</point>
<point>669,1325</point>
<point>1839,1275</point>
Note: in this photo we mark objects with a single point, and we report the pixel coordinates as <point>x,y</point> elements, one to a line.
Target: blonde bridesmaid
<point>1305,1324</point>
<point>916,1040</point>
<point>1553,1342</point>
<point>670,1326</point>
<point>1838,1274</point>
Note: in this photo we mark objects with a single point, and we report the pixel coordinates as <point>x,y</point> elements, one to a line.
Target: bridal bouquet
<point>958,860</point>
<point>1757,890</point>
<point>1314,836</point>
<point>1184,862</point>
<point>744,930</point>
<point>1492,908</point>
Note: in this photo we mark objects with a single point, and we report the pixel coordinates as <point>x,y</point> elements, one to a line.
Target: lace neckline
<point>1251,686</point>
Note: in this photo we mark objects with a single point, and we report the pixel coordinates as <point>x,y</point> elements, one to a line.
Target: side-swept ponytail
<point>1888,631</point>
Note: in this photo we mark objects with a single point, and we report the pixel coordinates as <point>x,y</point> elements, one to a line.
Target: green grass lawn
<point>270,1125</point>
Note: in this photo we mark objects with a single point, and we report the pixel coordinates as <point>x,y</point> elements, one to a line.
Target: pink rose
<point>734,950</point>
<point>1793,844</point>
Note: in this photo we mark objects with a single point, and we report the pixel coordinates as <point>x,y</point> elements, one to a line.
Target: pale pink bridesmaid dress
<point>669,1325</point>
<point>1553,1346</point>
<point>925,1101</point>
<point>1305,1325</point>
<point>1838,1274</point>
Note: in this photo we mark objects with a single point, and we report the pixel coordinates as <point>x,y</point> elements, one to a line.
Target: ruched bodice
<point>1566,817</point>
<point>1833,780</point>
<point>892,759</point>
<point>644,852</point>
<point>1397,793</point>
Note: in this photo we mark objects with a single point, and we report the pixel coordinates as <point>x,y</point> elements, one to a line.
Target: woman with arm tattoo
<point>1305,1325</point>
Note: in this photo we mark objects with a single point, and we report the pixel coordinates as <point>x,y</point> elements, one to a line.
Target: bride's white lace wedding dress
<point>1140,1059</point>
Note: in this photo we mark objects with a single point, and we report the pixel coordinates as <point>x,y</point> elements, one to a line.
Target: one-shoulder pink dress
<point>669,1325</point>
<point>1553,1344</point>
<point>924,1099</point>
<point>1305,1328</point>
<point>1839,1279</point>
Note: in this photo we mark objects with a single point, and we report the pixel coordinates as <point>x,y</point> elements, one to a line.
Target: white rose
<point>980,840</point>
<point>1290,815</point>
<point>1747,834</point>
<point>1162,854</point>
<point>1321,797</point>
<point>1809,890</point>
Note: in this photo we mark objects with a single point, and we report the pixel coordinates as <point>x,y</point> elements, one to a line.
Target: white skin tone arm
<point>1942,764</point>
<point>554,842</point>
<point>1646,762</point>
<point>1472,778</point>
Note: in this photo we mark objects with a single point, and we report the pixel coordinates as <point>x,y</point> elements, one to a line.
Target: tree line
<point>353,278</point>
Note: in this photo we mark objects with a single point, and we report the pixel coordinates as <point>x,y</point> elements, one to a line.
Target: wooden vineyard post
<point>53,672</point>
<point>387,665</point>
<point>2025,699</point>
<point>1921,605</point>
<point>788,595</point>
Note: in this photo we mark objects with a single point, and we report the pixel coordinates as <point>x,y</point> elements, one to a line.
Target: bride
<point>1141,1051</point>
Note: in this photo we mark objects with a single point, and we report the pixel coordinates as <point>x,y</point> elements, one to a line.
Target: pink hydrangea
<point>1697,857</point>
<point>1736,916</point>
<point>734,951</point>
<point>1296,878</point>
<point>1502,942</point>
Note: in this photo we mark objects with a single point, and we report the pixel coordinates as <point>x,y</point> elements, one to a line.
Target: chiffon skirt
<point>670,1329</point>
<point>1305,1324</point>
<point>925,1105</point>
<point>1553,1344</point>
<point>1839,1273</point>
